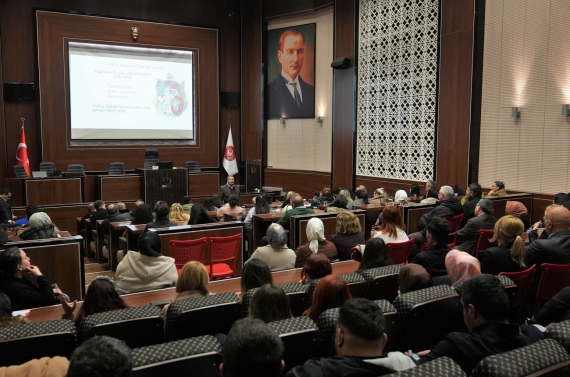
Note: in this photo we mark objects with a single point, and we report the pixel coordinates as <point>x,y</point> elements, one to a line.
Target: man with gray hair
<point>277,255</point>
<point>447,205</point>
<point>469,234</point>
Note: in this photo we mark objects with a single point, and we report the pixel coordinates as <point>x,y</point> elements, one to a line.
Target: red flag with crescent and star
<point>230,162</point>
<point>22,153</point>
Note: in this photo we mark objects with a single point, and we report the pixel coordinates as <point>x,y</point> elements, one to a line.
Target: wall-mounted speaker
<point>14,91</point>
<point>230,99</point>
<point>340,63</point>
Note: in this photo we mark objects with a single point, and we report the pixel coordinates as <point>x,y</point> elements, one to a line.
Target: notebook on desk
<point>39,174</point>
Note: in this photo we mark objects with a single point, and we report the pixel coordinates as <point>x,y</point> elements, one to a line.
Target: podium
<point>169,185</point>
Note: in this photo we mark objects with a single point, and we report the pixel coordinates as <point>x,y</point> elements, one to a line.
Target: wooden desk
<point>500,203</point>
<point>260,223</point>
<point>227,285</point>
<point>116,231</point>
<point>412,214</point>
<point>53,191</point>
<point>15,238</point>
<point>119,187</point>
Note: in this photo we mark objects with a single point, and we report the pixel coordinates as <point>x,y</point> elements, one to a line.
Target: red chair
<point>483,241</point>
<point>185,251</point>
<point>453,241</point>
<point>522,280</point>
<point>355,254</point>
<point>554,277</point>
<point>223,252</point>
<point>455,222</point>
<point>400,251</point>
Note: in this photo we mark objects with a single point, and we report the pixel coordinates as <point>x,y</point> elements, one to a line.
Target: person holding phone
<point>24,283</point>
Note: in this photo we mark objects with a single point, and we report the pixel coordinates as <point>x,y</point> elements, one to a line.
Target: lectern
<point>169,185</point>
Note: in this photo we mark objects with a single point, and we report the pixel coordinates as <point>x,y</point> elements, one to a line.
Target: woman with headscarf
<point>413,277</point>
<point>317,243</point>
<point>518,210</point>
<point>277,255</point>
<point>40,227</point>
<point>401,198</point>
<point>461,267</point>
<point>146,269</point>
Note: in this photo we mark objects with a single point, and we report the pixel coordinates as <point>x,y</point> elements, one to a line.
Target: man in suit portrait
<point>289,95</point>
<point>229,189</point>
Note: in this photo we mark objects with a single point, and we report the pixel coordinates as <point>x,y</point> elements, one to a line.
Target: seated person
<point>392,227</point>
<point>146,269</point>
<point>431,196</point>
<point>101,296</point>
<point>177,214</point>
<point>276,254</point>
<point>557,309</point>
<point>375,255</point>
<point>269,303</point>
<point>469,234</point>
<point>361,199</point>
<point>472,197</point>
<point>317,243</point>
<point>114,216</point>
<point>252,349</point>
<point>101,356</point>
<point>255,274</point>
<point>317,266</point>
<point>339,204</point>
<point>348,234</point>
<point>330,292</point>
<point>359,342</point>
<point>23,282</point>
<point>298,209</point>
<point>433,257</point>
<point>6,318</point>
<point>461,267</point>
<point>346,194</point>
<point>518,210</point>
<point>486,314</point>
<point>162,211</point>
<point>497,189</point>
<point>142,215</point>
<point>233,209</point>
<point>286,205</point>
<point>40,227</point>
<point>379,195</point>
<point>32,208</point>
<point>401,198</point>
<point>192,282</point>
<point>509,255</point>
<point>413,277</point>
<point>325,197</point>
<point>261,206</point>
<point>199,215</point>
<point>414,191</point>
<point>186,204</point>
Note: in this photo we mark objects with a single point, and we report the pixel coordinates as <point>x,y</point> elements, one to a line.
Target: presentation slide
<point>130,93</point>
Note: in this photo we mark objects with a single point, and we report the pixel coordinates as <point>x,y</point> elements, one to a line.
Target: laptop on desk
<point>39,174</point>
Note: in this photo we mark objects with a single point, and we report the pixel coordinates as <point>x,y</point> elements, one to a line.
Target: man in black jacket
<point>486,314</point>
<point>473,195</point>
<point>469,234</point>
<point>433,258</point>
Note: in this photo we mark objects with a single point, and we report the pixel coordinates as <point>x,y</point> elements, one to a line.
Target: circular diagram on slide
<point>170,97</point>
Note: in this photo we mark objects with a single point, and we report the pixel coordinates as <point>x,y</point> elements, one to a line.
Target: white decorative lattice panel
<point>397,82</point>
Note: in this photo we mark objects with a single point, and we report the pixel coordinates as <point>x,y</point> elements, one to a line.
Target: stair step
<point>90,276</point>
<point>96,267</point>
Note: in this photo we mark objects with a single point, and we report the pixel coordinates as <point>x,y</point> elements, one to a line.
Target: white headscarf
<point>400,195</point>
<point>315,233</point>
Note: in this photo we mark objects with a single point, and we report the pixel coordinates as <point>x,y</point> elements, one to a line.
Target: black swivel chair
<point>48,167</point>
<point>20,171</point>
<point>116,168</point>
<point>75,170</point>
<point>193,167</point>
<point>150,158</point>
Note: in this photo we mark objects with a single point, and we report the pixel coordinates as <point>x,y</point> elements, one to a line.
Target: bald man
<point>555,248</point>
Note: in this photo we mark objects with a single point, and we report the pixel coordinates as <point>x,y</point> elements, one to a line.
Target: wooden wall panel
<point>303,182</point>
<point>344,98</point>
<point>455,69</point>
<point>273,8</point>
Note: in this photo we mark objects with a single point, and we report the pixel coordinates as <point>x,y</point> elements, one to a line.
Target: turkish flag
<point>22,153</point>
<point>230,161</point>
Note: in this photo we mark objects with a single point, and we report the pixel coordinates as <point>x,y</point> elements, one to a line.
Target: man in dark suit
<point>289,95</point>
<point>6,215</point>
<point>114,216</point>
<point>555,248</point>
<point>229,189</point>
<point>469,234</point>
<point>298,209</point>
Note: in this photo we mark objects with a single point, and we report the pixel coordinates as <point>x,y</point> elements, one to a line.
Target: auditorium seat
<point>300,338</point>
<point>200,356</point>
<point>543,357</point>
<point>215,314</point>
<point>138,327</point>
<point>561,333</point>
<point>426,316</point>
<point>382,282</point>
<point>20,171</point>
<point>193,167</point>
<point>510,287</point>
<point>48,167</point>
<point>442,366</point>
<point>297,297</point>
<point>21,343</point>
<point>356,284</point>
<point>150,158</point>
<point>116,168</point>
<point>311,290</point>
<point>75,170</point>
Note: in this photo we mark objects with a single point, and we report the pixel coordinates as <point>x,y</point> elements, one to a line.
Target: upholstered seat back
<point>300,338</point>
<point>440,367</point>
<point>561,333</point>
<point>382,282</point>
<point>116,168</point>
<point>356,284</point>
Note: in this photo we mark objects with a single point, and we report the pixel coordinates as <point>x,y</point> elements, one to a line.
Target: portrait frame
<point>279,99</point>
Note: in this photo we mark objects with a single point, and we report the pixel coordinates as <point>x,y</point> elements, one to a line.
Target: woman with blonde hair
<point>178,215</point>
<point>380,195</point>
<point>392,227</point>
<point>192,282</point>
<point>509,255</point>
<point>348,234</point>
<point>287,202</point>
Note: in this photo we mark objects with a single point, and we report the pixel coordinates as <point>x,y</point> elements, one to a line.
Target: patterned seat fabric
<point>522,361</point>
<point>296,293</point>
<point>561,333</point>
<point>21,343</point>
<point>357,285</point>
<point>174,350</point>
<point>385,306</point>
<point>371,274</point>
<point>439,367</point>
<point>229,301</point>
<point>382,282</point>
<point>310,290</point>
<point>404,303</point>
<point>293,287</point>
<point>153,313</point>
<point>300,338</point>
<point>291,325</point>
<point>245,302</point>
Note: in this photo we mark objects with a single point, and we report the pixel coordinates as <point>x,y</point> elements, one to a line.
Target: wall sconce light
<point>515,113</point>
<point>320,120</point>
<point>566,110</point>
<point>282,121</point>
